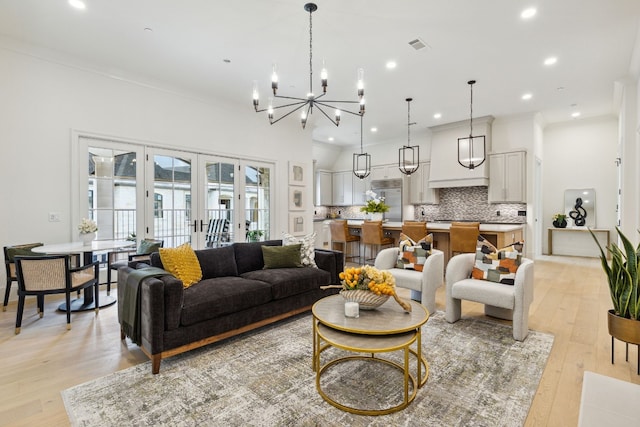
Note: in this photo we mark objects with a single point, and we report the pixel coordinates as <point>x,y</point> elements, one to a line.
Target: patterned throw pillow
<point>412,255</point>
<point>183,263</point>
<point>307,247</point>
<point>497,265</point>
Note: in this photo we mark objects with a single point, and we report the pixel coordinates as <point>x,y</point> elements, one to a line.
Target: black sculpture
<point>579,215</point>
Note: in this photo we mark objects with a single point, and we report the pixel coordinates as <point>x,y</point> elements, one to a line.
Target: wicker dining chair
<point>52,274</point>
<point>10,252</point>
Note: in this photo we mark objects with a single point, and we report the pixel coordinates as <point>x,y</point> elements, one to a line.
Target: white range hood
<point>445,171</point>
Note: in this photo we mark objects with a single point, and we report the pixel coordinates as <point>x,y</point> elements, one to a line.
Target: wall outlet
<point>497,213</point>
<point>522,213</point>
<point>54,216</point>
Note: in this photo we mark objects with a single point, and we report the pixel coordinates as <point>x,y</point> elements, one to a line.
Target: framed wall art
<point>297,198</point>
<point>296,173</point>
<point>297,224</point>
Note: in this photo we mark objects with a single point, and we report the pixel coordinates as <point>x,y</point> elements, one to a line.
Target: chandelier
<point>310,101</point>
<point>362,161</point>
<point>408,155</point>
<point>471,149</point>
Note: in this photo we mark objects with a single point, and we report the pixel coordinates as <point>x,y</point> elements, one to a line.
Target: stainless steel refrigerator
<point>391,190</point>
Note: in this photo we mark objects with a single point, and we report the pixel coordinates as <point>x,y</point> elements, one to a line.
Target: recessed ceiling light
<point>374,129</point>
<point>437,116</point>
<point>391,65</point>
<point>575,114</point>
<point>528,13</point>
<point>527,96</point>
<point>78,4</point>
<point>330,139</point>
<point>226,60</point>
<point>550,61</point>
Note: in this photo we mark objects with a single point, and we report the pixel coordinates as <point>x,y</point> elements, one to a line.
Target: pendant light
<point>408,155</point>
<point>362,161</point>
<point>471,149</point>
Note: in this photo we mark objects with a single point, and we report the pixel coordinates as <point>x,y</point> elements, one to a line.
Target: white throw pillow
<point>307,247</point>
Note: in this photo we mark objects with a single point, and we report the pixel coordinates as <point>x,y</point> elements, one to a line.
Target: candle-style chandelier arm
<point>324,104</point>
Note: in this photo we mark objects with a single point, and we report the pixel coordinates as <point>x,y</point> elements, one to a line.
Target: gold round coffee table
<point>386,329</point>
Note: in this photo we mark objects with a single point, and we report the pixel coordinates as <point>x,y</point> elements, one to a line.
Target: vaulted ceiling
<point>215,50</point>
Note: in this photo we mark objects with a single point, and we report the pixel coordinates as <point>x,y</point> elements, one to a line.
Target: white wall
<point>44,101</point>
<point>581,154</point>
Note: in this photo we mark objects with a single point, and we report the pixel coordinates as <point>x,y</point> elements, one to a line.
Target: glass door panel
<point>218,217</point>
<point>169,197</point>
<point>257,201</point>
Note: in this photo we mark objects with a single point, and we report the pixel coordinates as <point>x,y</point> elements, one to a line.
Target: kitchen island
<point>500,235</point>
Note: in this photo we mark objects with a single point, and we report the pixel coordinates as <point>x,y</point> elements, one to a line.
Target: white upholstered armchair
<point>423,284</point>
<point>500,300</point>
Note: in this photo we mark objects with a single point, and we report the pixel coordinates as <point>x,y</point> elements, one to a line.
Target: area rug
<point>479,376</point>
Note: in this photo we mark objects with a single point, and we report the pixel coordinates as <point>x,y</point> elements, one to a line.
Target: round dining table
<point>87,302</point>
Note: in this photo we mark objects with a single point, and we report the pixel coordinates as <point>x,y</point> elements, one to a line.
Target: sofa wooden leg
<point>122,334</point>
<point>155,363</point>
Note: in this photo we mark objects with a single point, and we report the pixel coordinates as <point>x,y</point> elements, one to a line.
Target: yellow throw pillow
<point>183,263</point>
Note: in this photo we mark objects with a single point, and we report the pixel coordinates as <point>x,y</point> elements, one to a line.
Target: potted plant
<point>375,206</point>
<point>559,220</point>
<point>254,235</point>
<point>622,277</point>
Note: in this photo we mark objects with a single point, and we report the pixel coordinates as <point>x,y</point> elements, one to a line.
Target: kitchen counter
<point>443,226</point>
<point>500,235</point>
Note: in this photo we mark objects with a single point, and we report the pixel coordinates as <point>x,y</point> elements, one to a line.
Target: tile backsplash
<point>461,203</point>
<point>470,203</point>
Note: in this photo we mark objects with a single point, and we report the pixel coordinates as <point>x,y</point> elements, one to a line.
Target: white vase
<point>87,238</point>
<point>375,216</point>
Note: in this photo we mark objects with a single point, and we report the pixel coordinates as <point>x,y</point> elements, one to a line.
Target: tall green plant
<point>622,275</point>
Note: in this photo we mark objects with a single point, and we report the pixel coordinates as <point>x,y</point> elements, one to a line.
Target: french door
<point>134,191</point>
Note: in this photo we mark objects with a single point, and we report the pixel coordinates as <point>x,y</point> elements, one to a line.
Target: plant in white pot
<point>622,277</point>
<point>375,206</point>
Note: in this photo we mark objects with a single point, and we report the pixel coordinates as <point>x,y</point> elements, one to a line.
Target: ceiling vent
<point>418,44</point>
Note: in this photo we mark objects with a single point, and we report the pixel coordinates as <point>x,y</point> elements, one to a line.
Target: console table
<point>602,232</point>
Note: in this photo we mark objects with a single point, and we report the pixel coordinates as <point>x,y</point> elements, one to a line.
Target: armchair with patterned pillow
<point>415,266</point>
<point>502,280</point>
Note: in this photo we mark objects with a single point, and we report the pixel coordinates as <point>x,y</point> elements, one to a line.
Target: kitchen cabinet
<point>342,188</point>
<point>507,177</point>
<point>385,172</point>
<point>323,189</point>
<point>360,187</point>
<point>419,190</point>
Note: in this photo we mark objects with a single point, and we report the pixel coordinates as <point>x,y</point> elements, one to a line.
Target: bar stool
<point>340,234</point>
<point>373,236</point>
<point>415,230</point>
<point>463,237</point>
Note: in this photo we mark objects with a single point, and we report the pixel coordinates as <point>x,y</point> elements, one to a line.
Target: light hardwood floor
<point>571,302</point>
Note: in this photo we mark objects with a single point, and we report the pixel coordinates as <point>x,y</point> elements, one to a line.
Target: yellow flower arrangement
<point>368,278</point>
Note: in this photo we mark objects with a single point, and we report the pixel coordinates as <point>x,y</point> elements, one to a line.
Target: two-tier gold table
<point>386,329</point>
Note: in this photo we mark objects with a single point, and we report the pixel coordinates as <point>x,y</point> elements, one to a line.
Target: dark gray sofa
<point>235,295</point>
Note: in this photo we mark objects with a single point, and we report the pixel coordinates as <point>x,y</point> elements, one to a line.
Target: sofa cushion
<point>307,248</point>
<point>412,255</point>
<point>249,255</point>
<point>182,263</point>
<point>217,262</point>
<point>211,298</point>
<point>497,265</point>
<point>291,281</point>
<point>281,256</point>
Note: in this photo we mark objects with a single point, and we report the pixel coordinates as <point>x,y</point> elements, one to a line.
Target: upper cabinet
<point>385,172</point>
<point>507,177</point>
<point>323,189</point>
<point>419,190</point>
<point>342,188</point>
<point>360,187</point>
